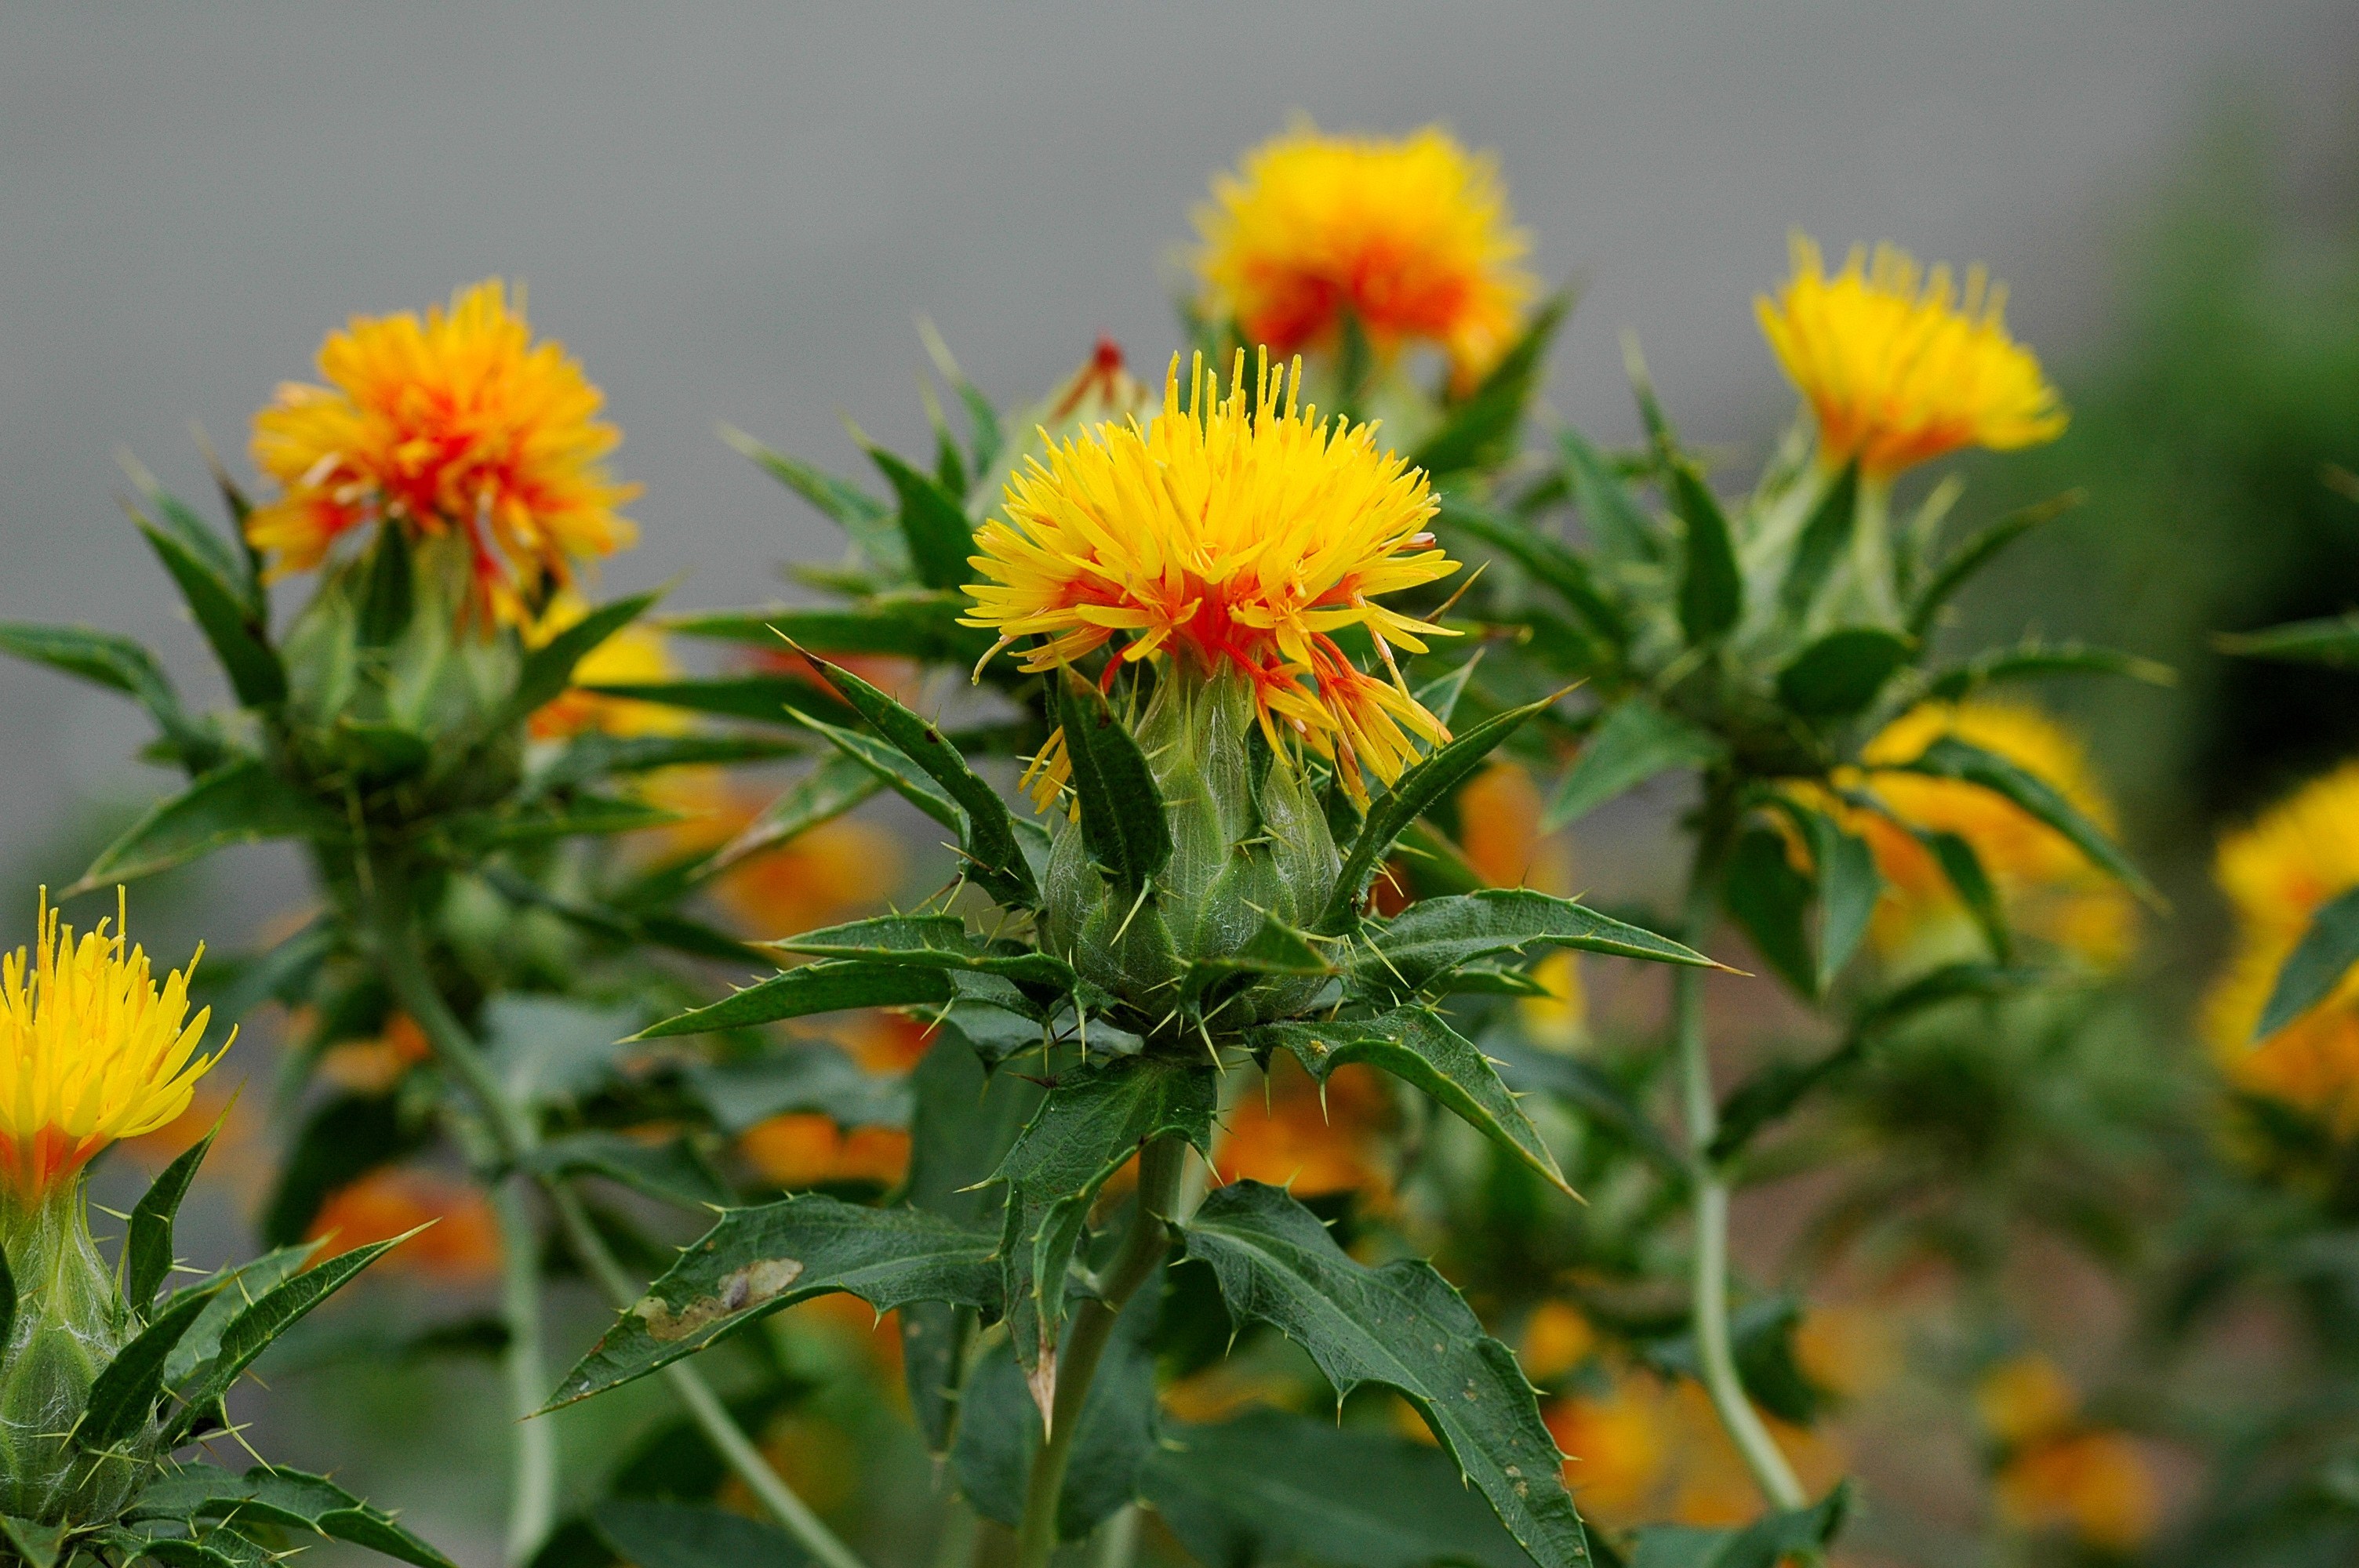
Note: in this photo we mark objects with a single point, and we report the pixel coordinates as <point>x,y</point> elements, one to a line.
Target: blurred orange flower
<point>831,872</point>
<point>462,1245</point>
<point>2056,1471</point>
<point>807,1150</point>
<point>1313,1144</point>
<point>373,1066</point>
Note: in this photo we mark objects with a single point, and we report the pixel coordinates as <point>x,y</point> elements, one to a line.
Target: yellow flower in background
<point>635,655</point>
<point>1898,369</point>
<point>2056,1472</point>
<point>1619,1445</point>
<point>2047,886</point>
<point>1557,1339</point>
<point>91,1050</point>
<point>457,425</point>
<point>1235,536</point>
<point>2277,873</point>
<point>2026,1398</point>
<point>1412,236</point>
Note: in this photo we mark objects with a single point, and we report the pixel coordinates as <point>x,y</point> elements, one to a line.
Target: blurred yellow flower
<point>1413,237</point>
<point>1895,369</point>
<point>1237,535</point>
<point>456,424</point>
<point>2296,857</point>
<point>1557,1339</point>
<point>1618,1445</point>
<point>2026,1398</point>
<point>635,655</point>
<point>91,1050</point>
<point>2047,887</point>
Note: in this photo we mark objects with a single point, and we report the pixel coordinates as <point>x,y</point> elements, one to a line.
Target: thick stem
<point>532,1497</point>
<point>1710,1302</point>
<point>404,968</point>
<point>1159,1167</point>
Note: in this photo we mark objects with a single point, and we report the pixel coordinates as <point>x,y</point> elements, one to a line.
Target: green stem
<point>1159,1167</point>
<point>403,965</point>
<point>1710,1303</point>
<point>532,1498</point>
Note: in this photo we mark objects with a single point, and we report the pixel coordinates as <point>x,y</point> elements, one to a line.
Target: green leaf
<point>994,858</point>
<point>271,1495</point>
<point>1978,550</point>
<point>1274,948</point>
<point>934,941</point>
<point>1711,587</point>
<point>594,755</point>
<point>1766,896</point>
<point>757,1261</point>
<point>242,802</point>
<point>1825,537</point>
<point>808,1076</point>
<point>148,1238</point>
<point>834,787</point>
<point>229,1292</point>
<point>1766,1543</point>
<point>249,1334</point>
<point>1529,1070</point>
<point>765,699</point>
<point>1416,793</point>
<point>810,988</point>
<point>2030,660</point>
<point>891,769</point>
<point>922,626</point>
<point>670,1173</point>
<point>1481,429</point>
<point>1546,561</point>
<point>2334,642</point>
<point>37,1544</point>
<point>1094,1118</point>
<point>1404,1326</point>
<point>1431,938</point>
<point>1950,757</point>
<point>1837,675</point>
<point>1616,519</point>
<point>123,1397</point>
<point>1416,1046</point>
<point>2317,964</point>
<point>227,620</point>
<point>118,663</point>
<point>1636,741</point>
<point>647,1533</point>
<point>1123,820</point>
<point>580,816</point>
<point>1846,884</point>
<point>1963,869</point>
<point>933,523</point>
<point>548,670</point>
<point>865,520</point>
<point>1272,1487</point>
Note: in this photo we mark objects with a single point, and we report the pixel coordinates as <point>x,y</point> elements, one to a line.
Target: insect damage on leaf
<point>757,1282</point>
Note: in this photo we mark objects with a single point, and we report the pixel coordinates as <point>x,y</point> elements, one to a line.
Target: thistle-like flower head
<point>1898,369</point>
<point>91,1050</point>
<point>1235,536</point>
<point>456,424</point>
<point>1412,236</point>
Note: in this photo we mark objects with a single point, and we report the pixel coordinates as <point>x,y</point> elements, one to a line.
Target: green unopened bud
<point>70,1323</point>
<point>1249,844</point>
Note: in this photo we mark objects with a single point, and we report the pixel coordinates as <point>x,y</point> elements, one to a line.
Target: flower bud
<point>69,1323</point>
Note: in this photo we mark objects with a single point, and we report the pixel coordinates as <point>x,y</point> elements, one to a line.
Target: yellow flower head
<point>1236,535</point>
<point>455,424</point>
<point>2047,886</point>
<point>1896,369</point>
<point>635,655</point>
<point>2276,874</point>
<point>1413,237</point>
<point>91,1051</point>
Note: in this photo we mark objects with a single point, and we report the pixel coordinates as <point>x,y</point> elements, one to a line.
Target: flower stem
<point>1159,1167</point>
<point>403,965</point>
<point>1710,1303</point>
<point>532,1497</point>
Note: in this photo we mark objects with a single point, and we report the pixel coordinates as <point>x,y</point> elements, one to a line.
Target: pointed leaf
<point>1841,674</point>
<point>148,1239</point>
<point>765,699</point>
<point>1977,550</point>
<point>932,941</point>
<point>834,787</point>
<point>1616,519</point>
<point>866,521</point>
<point>1410,797</point>
<point>1822,542</point>
<point>757,1261</point>
<point>1950,757</point>
<point>1404,1326</point>
<point>1417,1047</point>
<point>1123,821</point>
<point>1546,561</point>
<point>548,670</point>
<point>594,755</point>
<point>1635,743</point>
<point>2332,642</point>
<point>1434,936</point>
<point>933,523</point>
<point>118,663</point>
<point>1581,1085</point>
<point>249,1334</point>
<point>892,770</point>
<point>1712,589</point>
<point>228,622</point>
<point>922,626</point>
<point>2317,964</point>
<point>1481,429</point>
<point>272,1495</point>
<point>2030,660</point>
<point>1771,898</point>
<point>123,1397</point>
<point>239,803</point>
<point>811,989</point>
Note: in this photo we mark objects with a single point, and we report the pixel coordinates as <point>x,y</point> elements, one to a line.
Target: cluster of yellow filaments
<point>91,1050</point>
<point>2277,874</point>
<point>455,424</point>
<point>1237,535</point>
<point>1898,369</point>
<point>1412,236</point>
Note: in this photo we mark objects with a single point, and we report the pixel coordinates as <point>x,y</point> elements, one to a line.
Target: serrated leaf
<point>1546,561</point>
<point>229,1292</point>
<point>933,523</point>
<point>648,1533</point>
<point>1841,674</point>
<point>933,941</point>
<point>810,988</point>
<point>1272,1487</point>
<point>1825,538</point>
<point>759,1259</point>
<point>1416,1046</point>
<point>1526,1069</point>
<point>1949,757</point>
<point>249,1334</point>
<point>1123,820</point>
<point>123,1397</point>
<point>1093,1121</point>
<point>1404,1326</point>
<point>1711,587</point>
<point>1274,948</point>
<point>2031,660</point>
<point>1414,793</point>
<point>1977,550</point>
<point>226,618</point>
<point>893,770</point>
<point>1481,428</point>
<point>274,1495</point>
<point>988,829</point>
<point>147,1237</point>
<point>2327,949</point>
<point>1635,743</point>
<point>1433,937</point>
<point>242,802</point>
